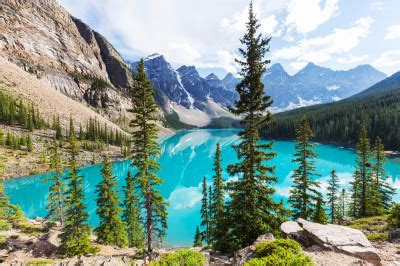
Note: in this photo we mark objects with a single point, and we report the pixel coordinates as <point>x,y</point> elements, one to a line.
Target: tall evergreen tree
<point>304,193</point>
<point>197,238</point>
<point>386,191</point>
<point>75,239</point>
<point>131,215</point>
<point>71,132</point>
<point>251,195</point>
<point>355,195</point>
<point>111,230</point>
<point>333,195</point>
<point>363,167</point>
<point>319,215</point>
<point>145,151</point>
<point>205,212</point>
<point>29,144</point>
<point>56,199</point>
<point>342,207</point>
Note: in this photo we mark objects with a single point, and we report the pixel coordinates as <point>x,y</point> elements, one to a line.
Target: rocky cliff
<point>41,37</point>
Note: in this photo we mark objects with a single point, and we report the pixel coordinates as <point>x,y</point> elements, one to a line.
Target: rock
<point>294,231</point>
<point>341,238</point>
<point>264,238</point>
<point>248,253</point>
<point>3,255</point>
<point>394,236</point>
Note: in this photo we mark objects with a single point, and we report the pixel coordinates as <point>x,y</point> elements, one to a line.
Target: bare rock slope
<point>42,38</point>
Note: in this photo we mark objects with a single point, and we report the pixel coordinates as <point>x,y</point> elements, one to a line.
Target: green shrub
<point>182,257</point>
<point>265,249</point>
<point>4,225</point>
<point>377,236</point>
<point>39,262</point>
<point>285,252</point>
<point>282,257</point>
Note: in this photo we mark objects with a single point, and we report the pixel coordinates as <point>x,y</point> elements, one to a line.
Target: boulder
<point>248,253</point>
<point>394,236</point>
<point>341,238</point>
<point>294,231</point>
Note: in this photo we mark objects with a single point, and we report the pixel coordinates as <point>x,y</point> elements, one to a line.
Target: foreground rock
<point>332,237</point>
<point>248,253</point>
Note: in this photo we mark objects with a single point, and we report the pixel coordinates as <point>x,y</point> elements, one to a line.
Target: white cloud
<point>351,59</point>
<point>388,59</point>
<point>185,197</point>
<point>298,65</point>
<point>393,32</point>
<point>376,5</point>
<point>322,49</point>
<point>306,15</point>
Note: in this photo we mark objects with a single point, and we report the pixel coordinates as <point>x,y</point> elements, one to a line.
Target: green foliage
<point>197,238</point>
<point>131,214</point>
<point>39,262</point>
<point>75,239</point>
<point>181,257</point>
<point>304,193</point>
<point>16,112</point>
<point>251,196</point>
<point>285,252</point>
<point>145,152</point>
<point>172,121</point>
<point>394,216</point>
<point>333,196</point>
<point>377,236</point>
<point>57,190</point>
<point>224,122</point>
<point>205,212</point>
<point>319,215</point>
<point>111,229</point>
<point>341,122</point>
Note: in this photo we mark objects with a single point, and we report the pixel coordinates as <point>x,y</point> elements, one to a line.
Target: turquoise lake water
<point>187,157</point>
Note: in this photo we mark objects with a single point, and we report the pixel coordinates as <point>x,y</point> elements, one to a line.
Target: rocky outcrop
<point>248,253</point>
<point>332,237</point>
<point>44,39</point>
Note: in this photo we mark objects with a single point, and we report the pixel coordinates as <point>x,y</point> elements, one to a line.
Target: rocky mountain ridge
<point>44,39</point>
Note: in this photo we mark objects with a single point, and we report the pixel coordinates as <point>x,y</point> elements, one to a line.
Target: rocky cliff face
<point>44,39</point>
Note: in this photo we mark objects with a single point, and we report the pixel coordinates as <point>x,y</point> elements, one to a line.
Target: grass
<point>375,228</point>
<point>39,262</point>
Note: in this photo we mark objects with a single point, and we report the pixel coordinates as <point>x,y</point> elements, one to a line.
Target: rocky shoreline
<point>325,244</point>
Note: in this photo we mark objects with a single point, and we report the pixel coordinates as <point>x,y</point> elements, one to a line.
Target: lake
<point>186,157</point>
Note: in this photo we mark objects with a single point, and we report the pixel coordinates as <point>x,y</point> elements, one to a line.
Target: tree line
<point>140,220</point>
<point>341,122</point>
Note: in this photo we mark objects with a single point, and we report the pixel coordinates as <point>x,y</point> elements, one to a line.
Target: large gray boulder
<point>341,238</point>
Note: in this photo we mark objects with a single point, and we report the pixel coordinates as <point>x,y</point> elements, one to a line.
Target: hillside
<point>42,38</point>
<point>378,108</point>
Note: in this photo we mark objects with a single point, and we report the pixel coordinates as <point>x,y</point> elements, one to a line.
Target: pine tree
<point>145,151</point>
<point>1,137</point>
<point>75,239</point>
<point>4,204</point>
<point>342,207</point>
<point>111,229</point>
<point>366,188</point>
<point>319,215</point>
<point>197,238</point>
<point>56,199</point>
<point>217,199</point>
<point>304,193</point>
<point>251,195</point>
<point>131,215</point>
<point>333,194</point>
<point>29,144</point>
<point>386,191</point>
<point>71,132</point>
<point>355,195</point>
<point>205,212</point>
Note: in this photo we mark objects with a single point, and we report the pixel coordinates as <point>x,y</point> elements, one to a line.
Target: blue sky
<point>339,34</point>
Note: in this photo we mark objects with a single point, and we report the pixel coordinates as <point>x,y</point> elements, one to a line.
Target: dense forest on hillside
<point>342,121</point>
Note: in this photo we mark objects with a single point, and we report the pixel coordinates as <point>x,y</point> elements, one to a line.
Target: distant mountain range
<point>377,108</point>
<point>311,85</point>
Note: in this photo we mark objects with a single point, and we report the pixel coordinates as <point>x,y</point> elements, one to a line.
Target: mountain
<point>312,85</point>
<point>195,100</point>
<point>377,108</point>
<point>42,38</point>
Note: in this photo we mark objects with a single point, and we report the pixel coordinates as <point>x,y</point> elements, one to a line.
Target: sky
<point>339,34</point>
